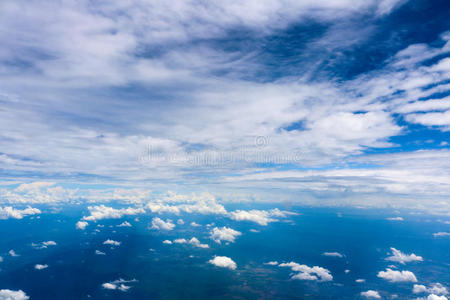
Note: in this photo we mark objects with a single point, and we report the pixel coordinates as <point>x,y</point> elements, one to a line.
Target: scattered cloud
<point>6,294</point>
<point>193,224</point>
<point>395,219</point>
<point>224,234</point>
<point>81,225</point>
<point>193,241</point>
<point>124,224</point>
<point>104,212</point>
<point>360,280</point>
<point>333,254</point>
<point>308,273</point>
<point>435,288</point>
<point>271,263</point>
<point>13,253</point>
<point>397,276</point>
<point>98,252</point>
<point>111,242</point>
<point>118,285</point>
<point>223,262</point>
<point>160,224</point>
<point>371,294</point>
<point>167,242</point>
<point>8,212</point>
<point>441,234</point>
<point>400,257</point>
<point>40,267</point>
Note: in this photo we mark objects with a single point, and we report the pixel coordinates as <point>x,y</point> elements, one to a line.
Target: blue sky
<point>316,102</point>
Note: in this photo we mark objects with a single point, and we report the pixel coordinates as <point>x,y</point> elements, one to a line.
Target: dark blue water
<point>183,272</point>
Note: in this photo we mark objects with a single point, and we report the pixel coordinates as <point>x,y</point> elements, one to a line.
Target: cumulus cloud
<point>193,241</point>
<point>104,212</point>
<point>40,267</point>
<point>118,285</point>
<point>6,294</point>
<point>333,254</point>
<point>223,262</point>
<point>224,234</point>
<point>81,225</point>
<point>111,242</point>
<point>403,258</point>
<point>433,297</point>
<point>371,294</point>
<point>124,224</point>
<point>397,276</point>
<point>260,217</point>
<point>44,245</point>
<point>160,224</point>
<point>308,273</point>
<point>193,224</point>
<point>10,212</point>
<point>436,288</point>
<point>13,253</point>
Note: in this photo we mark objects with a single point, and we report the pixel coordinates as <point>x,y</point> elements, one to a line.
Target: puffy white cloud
<point>371,294</point>
<point>435,288</point>
<point>104,212</point>
<point>224,234</point>
<point>441,234</point>
<point>167,242</point>
<point>193,224</point>
<point>433,297</point>
<point>111,242</point>
<point>124,224</point>
<point>40,267</point>
<point>10,212</point>
<point>81,225</point>
<point>333,254</point>
<point>260,217</point>
<point>223,262</point>
<point>308,273</point>
<point>6,294</point>
<point>193,241</point>
<point>160,224</point>
<point>397,276</point>
<point>13,253</point>
<point>403,258</point>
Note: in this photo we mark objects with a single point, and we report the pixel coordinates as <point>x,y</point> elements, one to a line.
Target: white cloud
<point>43,245</point>
<point>224,234</point>
<point>435,288</point>
<point>159,224</point>
<point>403,258</point>
<point>397,276</point>
<point>104,212</point>
<point>81,225</point>
<point>271,263</point>
<point>223,262</point>
<point>333,254</point>
<point>395,219</point>
<point>308,273</point>
<point>40,267</point>
<point>6,294</point>
<point>167,242</point>
<point>360,280</point>
<point>10,212</point>
<point>260,217</point>
<point>441,234</point>
<point>180,222</point>
<point>124,224</point>
<point>193,224</point>
<point>98,252</point>
<point>118,285</point>
<point>193,241</point>
<point>13,253</point>
<point>111,242</point>
<point>371,294</point>
<point>433,297</point>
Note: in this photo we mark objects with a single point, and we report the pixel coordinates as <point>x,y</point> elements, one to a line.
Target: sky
<point>330,103</point>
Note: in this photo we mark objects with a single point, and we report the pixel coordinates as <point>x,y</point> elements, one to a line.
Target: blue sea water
<point>181,271</point>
